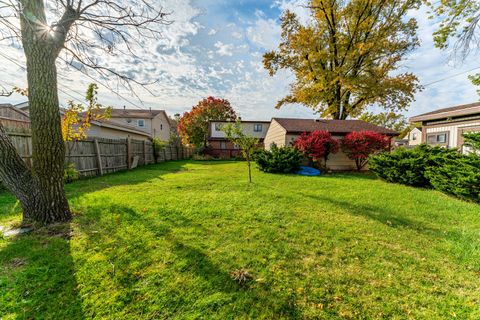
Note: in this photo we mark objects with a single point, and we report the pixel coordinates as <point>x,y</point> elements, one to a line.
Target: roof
<point>119,126</point>
<point>135,113</point>
<point>242,121</point>
<point>334,126</point>
<point>14,108</point>
<point>457,111</point>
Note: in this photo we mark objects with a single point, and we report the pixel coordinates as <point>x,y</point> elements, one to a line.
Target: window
<point>414,136</point>
<point>223,145</point>
<point>218,127</point>
<point>440,138</point>
<point>257,127</point>
<point>141,123</point>
<point>161,126</point>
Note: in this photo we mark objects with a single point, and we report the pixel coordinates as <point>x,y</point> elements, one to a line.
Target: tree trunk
<point>41,189</point>
<point>249,169</point>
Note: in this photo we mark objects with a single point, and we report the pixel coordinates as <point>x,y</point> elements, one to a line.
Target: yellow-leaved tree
<point>347,57</point>
<point>77,118</point>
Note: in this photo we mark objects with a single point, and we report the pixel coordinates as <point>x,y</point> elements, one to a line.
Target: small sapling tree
<point>247,143</point>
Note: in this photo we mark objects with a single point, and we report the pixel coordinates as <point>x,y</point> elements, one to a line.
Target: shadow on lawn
<point>39,276</point>
<point>189,274</point>
<point>377,213</point>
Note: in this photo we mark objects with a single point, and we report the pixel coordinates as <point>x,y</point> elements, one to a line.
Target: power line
<point>450,77</point>
<point>89,76</point>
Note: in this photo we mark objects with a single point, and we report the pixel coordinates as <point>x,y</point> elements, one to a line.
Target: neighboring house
<point>115,130</point>
<point>13,118</point>
<point>155,122</point>
<point>16,119</point>
<point>415,136</point>
<point>284,132</point>
<point>220,146</point>
<point>444,127</point>
<point>400,142</point>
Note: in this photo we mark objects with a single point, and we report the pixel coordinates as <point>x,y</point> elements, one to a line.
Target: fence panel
<point>95,156</point>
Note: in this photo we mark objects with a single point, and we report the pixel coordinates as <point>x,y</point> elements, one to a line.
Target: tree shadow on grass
<point>37,276</point>
<point>377,213</point>
<point>203,282</point>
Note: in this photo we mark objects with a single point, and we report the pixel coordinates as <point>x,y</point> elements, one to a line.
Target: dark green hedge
<point>278,160</point>
<point>460,177</point>
<point>424,166</point>
<point>408,166</point>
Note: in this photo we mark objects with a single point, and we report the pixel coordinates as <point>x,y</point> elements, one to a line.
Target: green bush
<point>408,166</point>
<point>70,173</point>
<point>278,160</point>
<point>460,177</point>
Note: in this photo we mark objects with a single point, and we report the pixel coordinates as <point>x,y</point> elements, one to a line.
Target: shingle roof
<point>135,113</point>
<point>333,126</point>
<point>462,110</point>
<point>120,126</point>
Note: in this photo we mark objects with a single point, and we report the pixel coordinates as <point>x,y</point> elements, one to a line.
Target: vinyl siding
<point>110,133</point>
<point>453,131</point>
<point>275,134</point>
<point>248,128</point>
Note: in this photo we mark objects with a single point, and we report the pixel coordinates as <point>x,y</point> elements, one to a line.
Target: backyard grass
<point>161,242</point>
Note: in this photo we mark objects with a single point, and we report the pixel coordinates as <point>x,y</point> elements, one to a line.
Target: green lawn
<point>161,242</point>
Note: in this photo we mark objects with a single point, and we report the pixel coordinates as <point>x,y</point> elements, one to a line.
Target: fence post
<point>99,156</point>
<point>129,153</point>
<point>144,152</point>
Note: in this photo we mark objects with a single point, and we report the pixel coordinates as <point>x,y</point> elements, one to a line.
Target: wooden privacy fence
<point>97,156</point>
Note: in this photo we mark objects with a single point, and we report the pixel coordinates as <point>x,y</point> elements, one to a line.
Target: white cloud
<point>237,35</point>
<point>224,49</point>
<point>212,32</point>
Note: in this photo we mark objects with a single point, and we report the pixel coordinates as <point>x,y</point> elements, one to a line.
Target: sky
<point>215,48</point>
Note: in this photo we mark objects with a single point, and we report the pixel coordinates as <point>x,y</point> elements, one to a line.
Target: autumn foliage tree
<point>347,57</point>
<point>317,145</point>
<point>193,125</point>
<point>77,118</point>
<point>359,146</point>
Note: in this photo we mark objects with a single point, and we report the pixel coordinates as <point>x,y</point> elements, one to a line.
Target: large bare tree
<point>78,30</point>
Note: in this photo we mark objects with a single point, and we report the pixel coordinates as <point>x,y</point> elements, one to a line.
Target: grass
<point>165,241</point>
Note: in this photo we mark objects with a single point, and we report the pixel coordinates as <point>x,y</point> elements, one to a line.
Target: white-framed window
<point>440,138</point>
<point>223,145</point>
<point>218,127</point>
<point>141,123</point>
<point>257,127</point>
<point>414,136</point>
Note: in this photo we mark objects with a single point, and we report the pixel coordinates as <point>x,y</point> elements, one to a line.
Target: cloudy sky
<point>215,47</point>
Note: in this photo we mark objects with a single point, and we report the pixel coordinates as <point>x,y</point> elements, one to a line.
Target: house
<point>115,130</point>
<point>16,119</point>
<point>155,122</point>
<point>414,137</point>
<point>13,118</point>
<point>284,132</point>
<point>444,127</point>
<point>220,146</point>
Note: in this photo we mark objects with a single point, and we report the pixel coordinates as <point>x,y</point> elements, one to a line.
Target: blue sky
<point>215,47</point>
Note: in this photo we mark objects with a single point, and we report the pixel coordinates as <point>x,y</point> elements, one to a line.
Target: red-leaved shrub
<point>317,145</point>
<point>359,146</point>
